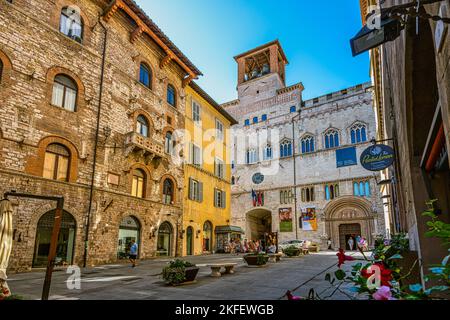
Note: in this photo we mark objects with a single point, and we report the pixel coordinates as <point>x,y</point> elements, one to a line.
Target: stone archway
<point>346,217</point>
<point>259,222</point>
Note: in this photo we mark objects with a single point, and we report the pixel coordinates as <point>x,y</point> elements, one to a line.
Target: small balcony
<point>151,150</point>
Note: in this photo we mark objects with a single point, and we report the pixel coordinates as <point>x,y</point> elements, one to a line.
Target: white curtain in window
<point>58,94</point>
<point>71,98</point>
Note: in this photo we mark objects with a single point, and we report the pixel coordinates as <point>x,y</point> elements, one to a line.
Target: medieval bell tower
<point>261,72</point>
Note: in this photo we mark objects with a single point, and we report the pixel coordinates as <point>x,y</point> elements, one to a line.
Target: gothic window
<point>56,162</point>
<point>358,133</point>
<point>65,92</point>
<point>361,189</point>
<point>145,75</point>
<point>71,24</point>
<point>331,191</point>
<point>331,139</point>
<point>268,155</point>
<point>138,184</point>
<point>171,96</point>
<point>286,196</point>
<point>168,191</point>
<point>308,194</point>
<point>285,149</point>
<point>142,126</point>
<point>308,144</point>
<point>252,156</point>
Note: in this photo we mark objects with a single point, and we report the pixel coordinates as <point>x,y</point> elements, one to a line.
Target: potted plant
<point>179,271</point>
<point>256,259</point>
<point>292,251</point>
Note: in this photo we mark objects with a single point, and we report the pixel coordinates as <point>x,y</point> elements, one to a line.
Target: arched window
<point>164,244</point>
<point>169,143</point>
<point>331,139</point>
<point>252,156</point>
<point>168,191</point>
<point>171,96</point>
<point>71,24</point>
<point>358,133</point>
<point>56,162</point>
<point>268,152</point>
<point>129,229</point>
<point>138,184</point>
<point>361,188</point>
<point>66,239</point>
<point>145,75</point>
<point>142,126</point>
<point>285,149</point>
<point>308,144</point>
<point>65,92</point>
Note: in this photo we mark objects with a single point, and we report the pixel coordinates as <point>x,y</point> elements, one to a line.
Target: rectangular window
<point>196,111</point>
<point>255,119</point>
<point>195,190</point>
<point>247,122</point>
<point>264,117</point>
<point>219,130</point>
<point>58,95</point>
<point>195,155</point>
<point>293,109</point>
<point>49,165</point>
<point>219,168</point>
<point>219,198</point>
<point>137,187</point>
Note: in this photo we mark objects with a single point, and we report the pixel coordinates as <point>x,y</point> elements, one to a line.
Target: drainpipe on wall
<point>97,131</point>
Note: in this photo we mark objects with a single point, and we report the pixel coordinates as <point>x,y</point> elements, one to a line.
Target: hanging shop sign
<point>377,157</point>
<point>346,157</point>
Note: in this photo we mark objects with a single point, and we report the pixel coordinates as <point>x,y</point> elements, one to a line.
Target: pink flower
<point>384,293</point>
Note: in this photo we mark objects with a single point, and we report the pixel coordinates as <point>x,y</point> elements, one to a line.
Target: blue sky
<point>314,34</point>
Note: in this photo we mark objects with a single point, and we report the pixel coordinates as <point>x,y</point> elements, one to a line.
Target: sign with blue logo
<point>377,157</point>
<point>346,157</point>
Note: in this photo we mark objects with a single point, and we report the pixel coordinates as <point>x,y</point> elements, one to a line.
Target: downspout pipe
<point>97,134</point>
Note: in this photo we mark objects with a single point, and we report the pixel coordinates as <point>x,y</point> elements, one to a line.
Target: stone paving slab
<point>121,282</point>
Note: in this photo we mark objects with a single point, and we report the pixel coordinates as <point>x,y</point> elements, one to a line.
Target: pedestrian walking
<point>351,243</point>
<point>133,253</point>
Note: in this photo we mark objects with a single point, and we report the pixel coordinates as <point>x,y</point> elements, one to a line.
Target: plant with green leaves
<point>291,251</point>
<point>175,272</point>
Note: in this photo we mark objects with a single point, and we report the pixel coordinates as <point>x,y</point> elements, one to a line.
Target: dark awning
<point>229,229</point>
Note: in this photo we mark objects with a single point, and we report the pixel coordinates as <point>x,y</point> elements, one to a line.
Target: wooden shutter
<point>216,202</point>
<point>191,189</point>
<point>200,192</point>
<point>191,153</point>
<point>224,199</point>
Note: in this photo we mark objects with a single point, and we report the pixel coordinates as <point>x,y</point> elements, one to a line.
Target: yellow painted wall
<point>195,214</point>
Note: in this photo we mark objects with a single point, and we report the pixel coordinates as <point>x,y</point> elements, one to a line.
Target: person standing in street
<point>133,253</point>
<point>351,243</point>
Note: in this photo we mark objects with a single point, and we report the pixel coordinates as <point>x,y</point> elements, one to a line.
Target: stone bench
<point>215,268</point>
<point>305,251</point>
<point>275,257</point>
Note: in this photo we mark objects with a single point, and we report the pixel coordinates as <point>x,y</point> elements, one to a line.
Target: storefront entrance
<point>164,239</point>
<point>346,231</point>
<point>207,236</point>
<point>129,230</point>
<point>66,240</point>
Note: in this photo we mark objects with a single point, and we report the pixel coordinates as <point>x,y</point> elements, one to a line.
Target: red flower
<point>342,257</point>
<point>385,274</point>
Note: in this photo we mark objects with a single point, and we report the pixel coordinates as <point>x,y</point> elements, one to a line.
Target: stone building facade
<point>411,77</point>
<point>285,171</point>
<point>88,91</point>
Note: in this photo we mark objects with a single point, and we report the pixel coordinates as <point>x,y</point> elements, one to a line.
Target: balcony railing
<point>134,141</point>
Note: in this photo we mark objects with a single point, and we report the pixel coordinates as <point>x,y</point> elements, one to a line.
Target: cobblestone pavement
<point>121,282</point>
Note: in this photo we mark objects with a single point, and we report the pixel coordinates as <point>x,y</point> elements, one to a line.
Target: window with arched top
<point>171,96</point>
<point>358,133</point>
<point>138,184</point>
<point>145,75</point>
<point>331,191</point>
<point>56,162</point>
<point>168,191</point>
<point>331,139</point>
<point>308,144</point>
<point>142,126</point>
<point>65,92</point>
<point>251,156</point>
<point>71,23</point>
<point>268,155</point>
<point>285,149</point>
<point>361,188</point>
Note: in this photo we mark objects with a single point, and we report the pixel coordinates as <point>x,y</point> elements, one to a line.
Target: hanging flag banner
<point>377,157</point>
<point>257,198</point>
<point>285,219</point>
<point>309,219</point>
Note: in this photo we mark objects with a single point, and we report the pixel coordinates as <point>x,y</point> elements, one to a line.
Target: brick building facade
<point>87,108</point>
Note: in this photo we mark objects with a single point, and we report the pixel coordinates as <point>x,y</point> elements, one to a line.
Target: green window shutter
<point>200,192</point>
<point>224,199</point>
<point>191,188</point>
<point>215,198</point>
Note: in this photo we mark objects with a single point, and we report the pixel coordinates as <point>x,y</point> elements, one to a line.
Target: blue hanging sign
<point>377,157</point>
<point>346,157</point>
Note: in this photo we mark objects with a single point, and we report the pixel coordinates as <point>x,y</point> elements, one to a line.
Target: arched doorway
<point>189,241</point>
<point>349,217</point>
<point>207,236</point>
<point>164,244</point>
<point>346,231</point>
<point>129,229</point>
<point>66,240</point>
<point>259,223</point>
